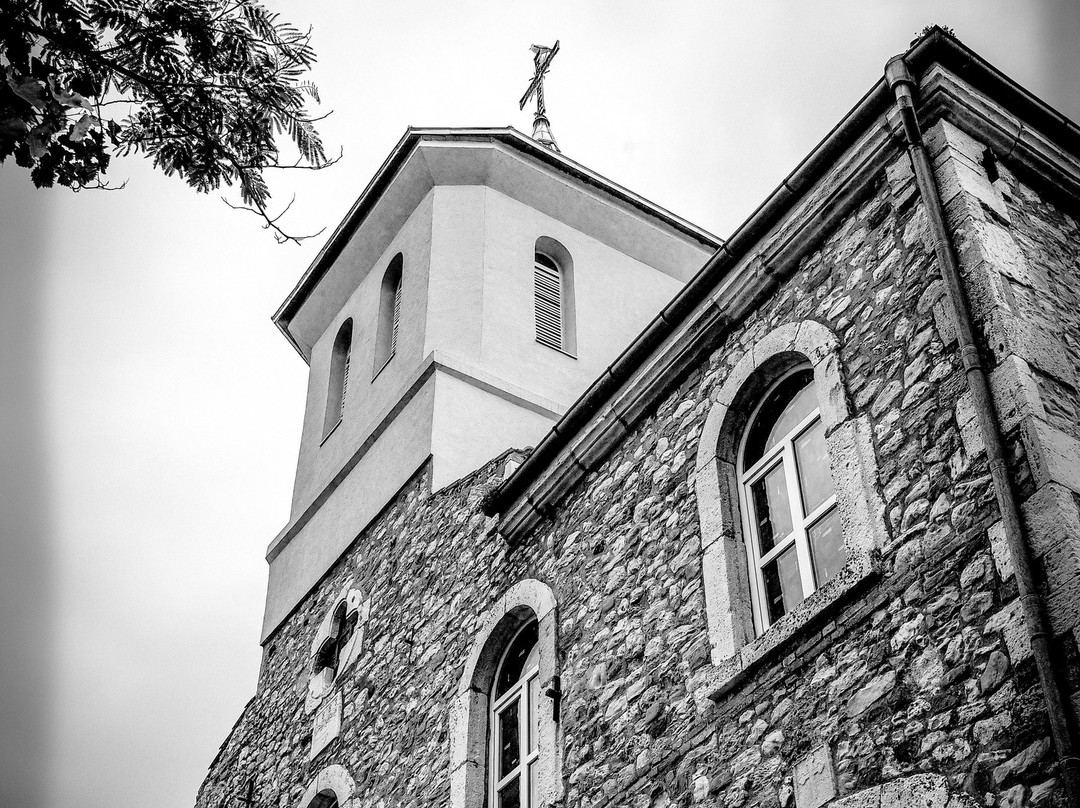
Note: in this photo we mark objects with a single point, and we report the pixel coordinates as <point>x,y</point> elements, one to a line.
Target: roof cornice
<point>506,136</point>
<point>736,276</point>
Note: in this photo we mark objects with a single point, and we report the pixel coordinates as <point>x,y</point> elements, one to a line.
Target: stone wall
<point>925,670</point>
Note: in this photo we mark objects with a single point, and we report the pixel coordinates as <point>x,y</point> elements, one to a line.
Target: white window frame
<point>782,453</point>
<point>470,712</point>
<point>736,648</point>
<point>527,729</point>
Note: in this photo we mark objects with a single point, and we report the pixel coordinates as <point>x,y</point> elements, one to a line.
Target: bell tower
<point>478,285</point>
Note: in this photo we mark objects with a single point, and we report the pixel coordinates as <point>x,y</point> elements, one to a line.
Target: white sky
<point>152,412</point>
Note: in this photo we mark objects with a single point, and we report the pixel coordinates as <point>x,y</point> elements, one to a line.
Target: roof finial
<point>541,125</point>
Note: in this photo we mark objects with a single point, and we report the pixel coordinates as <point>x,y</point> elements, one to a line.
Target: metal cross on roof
<point>542,57</point>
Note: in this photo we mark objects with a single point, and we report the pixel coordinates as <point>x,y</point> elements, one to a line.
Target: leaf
<point>79,130</point>
<point>30,90</point>
<point>68,99</point>
<point>38,139</point>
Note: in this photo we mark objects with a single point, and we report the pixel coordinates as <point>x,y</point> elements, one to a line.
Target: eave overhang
<point>797,214</point>
<point>507,137</point>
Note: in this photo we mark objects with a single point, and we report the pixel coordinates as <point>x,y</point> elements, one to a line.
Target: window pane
<point>509,739</point>
<point>827,547</point>
<point>783,588</point>
<point>771,509</point>
<point>510,796</point>
<point>517,655</point>
<point>532,782</point>
<point>789,402</point>
<point>815,477</point>
<point>534,712</point>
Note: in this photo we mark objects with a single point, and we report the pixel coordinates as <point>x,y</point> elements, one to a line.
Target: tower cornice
<point>402,174</point>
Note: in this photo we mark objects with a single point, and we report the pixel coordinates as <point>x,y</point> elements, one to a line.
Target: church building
<point>594,508</point>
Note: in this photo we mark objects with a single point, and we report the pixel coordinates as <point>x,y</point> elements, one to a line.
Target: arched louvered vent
<point>338,382</point>
<point>389,323</point>
<point>548,287</point>
<point>345,383</point>
<point>397,317</point>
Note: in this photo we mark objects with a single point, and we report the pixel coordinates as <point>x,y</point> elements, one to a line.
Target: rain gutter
<point>935,47</point>
<point>902,83</point>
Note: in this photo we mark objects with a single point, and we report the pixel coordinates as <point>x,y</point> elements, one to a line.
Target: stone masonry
<point>920,680</point>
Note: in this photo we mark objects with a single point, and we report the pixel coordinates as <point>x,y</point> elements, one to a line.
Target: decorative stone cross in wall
<point>338,642</point>
<point>542,57</point>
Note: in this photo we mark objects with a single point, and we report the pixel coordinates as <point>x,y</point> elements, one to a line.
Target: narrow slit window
<point>338,383</point>
<point>388,326</point>
<point>397,318</point>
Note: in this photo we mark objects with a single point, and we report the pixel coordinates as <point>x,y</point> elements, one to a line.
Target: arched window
<point>330,788</point>
<point>386,334</point>
<point>553,296</point>
<point>515,730</point>
<point>506,749</point>
<point>792,519</point>
<point>338,383</point>
<point>791,522</point>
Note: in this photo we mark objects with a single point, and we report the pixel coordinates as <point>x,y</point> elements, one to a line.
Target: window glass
<point>510,795</point>
<point>509,740</point>
<point>514,663</point>
<point>815,478</point>
<point>827,547</point>
<point>783,588</point>
<point>784,407</point>
<point>514,728</point>
<point>771,508</point>
<point>794,541</point>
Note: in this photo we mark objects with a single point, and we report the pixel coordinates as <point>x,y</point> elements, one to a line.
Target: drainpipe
<point>901,82</point>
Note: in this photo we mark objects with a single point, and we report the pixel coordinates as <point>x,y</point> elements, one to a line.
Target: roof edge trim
<point>935,47</point>
<point>401,153</point>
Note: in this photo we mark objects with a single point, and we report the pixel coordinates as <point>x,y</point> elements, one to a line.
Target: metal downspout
<point>901,82</point>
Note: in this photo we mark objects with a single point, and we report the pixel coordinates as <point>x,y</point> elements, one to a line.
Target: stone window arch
<point>526,604</point>
<point>332,787</point>
<point>735,643</point>
<point>337,643</point>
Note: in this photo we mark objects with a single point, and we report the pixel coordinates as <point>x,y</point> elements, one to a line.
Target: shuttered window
<point>548,289</point>
<point>389,322</point>
<point>345,382</point>
<point>397,317</point>
<point>338,382</point>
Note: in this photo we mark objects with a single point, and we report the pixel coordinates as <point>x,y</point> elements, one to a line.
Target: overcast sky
<point>151,413</point>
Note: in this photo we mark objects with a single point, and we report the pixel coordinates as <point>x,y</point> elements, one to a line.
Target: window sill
<point>382,367</point>
<point>556,350</point>
<point>715,681</point>
<point>330,432</point>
